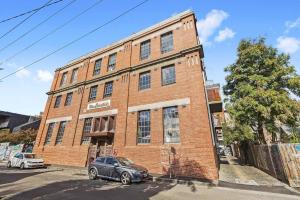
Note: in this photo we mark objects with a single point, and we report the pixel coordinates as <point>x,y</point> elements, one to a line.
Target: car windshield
<point>124,161</point>
<point>29,156</point>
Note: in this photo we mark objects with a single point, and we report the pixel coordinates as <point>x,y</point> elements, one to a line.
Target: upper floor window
<point>63,80</point>
<point>171,125</point>
<point>57,101</point>
<point>143,127</point>
<point>60,133</point>
<point>145,49</point>
<point>97,67</point>
<point>93,93</point>
<point>68,99</point>
<point>49,133</point>
<point>74,75</point>
<point>144,81</point>
<point>108,88</point>
<point>168,75</point>
<point>112,62</point>
<point>166,42</point>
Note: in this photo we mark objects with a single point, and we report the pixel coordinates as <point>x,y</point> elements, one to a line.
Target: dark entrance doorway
<point>100,146</point>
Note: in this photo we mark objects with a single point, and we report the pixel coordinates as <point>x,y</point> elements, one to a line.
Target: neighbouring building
<point>143,97</point>
<point>216,110</point>
<point>15,122</point>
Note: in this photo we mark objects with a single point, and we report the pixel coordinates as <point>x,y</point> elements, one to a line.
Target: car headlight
<point>135,172</point>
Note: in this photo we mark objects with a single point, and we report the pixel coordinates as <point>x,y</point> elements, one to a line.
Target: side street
<point>150,99</point>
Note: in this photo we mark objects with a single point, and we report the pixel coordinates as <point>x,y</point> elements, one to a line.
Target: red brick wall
<point>195,155</point>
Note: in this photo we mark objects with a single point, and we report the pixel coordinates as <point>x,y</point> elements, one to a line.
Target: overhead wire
<point>77,39</point>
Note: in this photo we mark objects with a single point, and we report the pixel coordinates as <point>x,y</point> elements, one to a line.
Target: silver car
<point>25,160</point>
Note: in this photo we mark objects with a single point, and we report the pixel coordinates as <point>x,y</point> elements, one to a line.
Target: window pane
<point>168,75</point>
<point>60,133</point>
<point>49,133</point>
<point>108,88</point>
<point>145,50</point>
<point>144,81</point>
<point>69,99</point>
<point>166,41</point>
<point>86,129</point>
<point>97,67</point>
<point>74,75</point>
<point>144,127</point>
<point>93,93</point>
<point>63,80</point>
<point>112,62</point>
<point>171,125</point>
<point>57,101</point>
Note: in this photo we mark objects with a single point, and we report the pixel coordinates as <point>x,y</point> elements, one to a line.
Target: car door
<point>14,160</point>
<point>99,164</point>
<point>110,170</point>
<point>19,160</point>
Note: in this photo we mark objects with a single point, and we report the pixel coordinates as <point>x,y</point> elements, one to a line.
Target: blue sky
<point>221,25</point>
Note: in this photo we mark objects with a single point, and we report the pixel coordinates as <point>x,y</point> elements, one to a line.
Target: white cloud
<point>207,26</point>
<point>288,44</point>
<point>292,24</point>
<point>224,34</point>
<point>44,75</point>
<point>23,73</point>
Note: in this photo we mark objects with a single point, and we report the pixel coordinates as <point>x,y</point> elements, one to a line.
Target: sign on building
<point>99,104</point>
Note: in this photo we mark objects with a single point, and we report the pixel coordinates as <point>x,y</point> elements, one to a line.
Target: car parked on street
<point>25,160</point>
<point>117,168</point>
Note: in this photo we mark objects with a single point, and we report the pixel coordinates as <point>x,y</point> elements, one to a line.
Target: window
<point>108,88</point>
<point>57,101</point>
<point>63,80</point>
<point>168,75</point>
<point>60,133</point>
<point>166,42</point>
<point>171,125</point>
<point>144,81</point>
<point>112,62</point>
<point>74,75</point>
<point>93,93</point>
<point>110,161</point>
<point>100,160</point>
<point>144,127</point>
<point>49,133</point>
<point>86,129</point>
<point>69,99</point>
<point>145,49</point>
<point>97,67</point>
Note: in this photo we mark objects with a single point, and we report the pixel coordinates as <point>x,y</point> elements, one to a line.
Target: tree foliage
<point>22,137</point>
<point>259,87</point>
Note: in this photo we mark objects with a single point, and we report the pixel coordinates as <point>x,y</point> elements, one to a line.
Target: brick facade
<point>193,156</point>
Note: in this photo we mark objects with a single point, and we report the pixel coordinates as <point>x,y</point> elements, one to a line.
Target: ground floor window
<point>143,127</point>
<point>86,129</point>
<point>171,125</point>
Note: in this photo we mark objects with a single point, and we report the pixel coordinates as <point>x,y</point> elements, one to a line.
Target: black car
<point>117,168</point>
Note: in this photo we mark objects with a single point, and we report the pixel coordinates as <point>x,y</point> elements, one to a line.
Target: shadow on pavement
<point>100,189</point>
<point>13,177</point>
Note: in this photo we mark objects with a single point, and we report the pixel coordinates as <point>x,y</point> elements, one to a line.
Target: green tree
<point>259,88</point>
<point>22,137</point>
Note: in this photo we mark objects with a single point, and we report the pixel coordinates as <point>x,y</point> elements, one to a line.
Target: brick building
<point>142,97</point>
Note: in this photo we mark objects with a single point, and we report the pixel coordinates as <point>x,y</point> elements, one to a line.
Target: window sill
<point>168,84</point>
<point>144,90</point>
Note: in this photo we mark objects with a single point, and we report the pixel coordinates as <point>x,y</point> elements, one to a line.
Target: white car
<point>25,160</point>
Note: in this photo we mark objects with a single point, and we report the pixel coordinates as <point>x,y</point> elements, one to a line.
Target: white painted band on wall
<point>59,119</point>
<point>99,114</point>
<point>160,104</point>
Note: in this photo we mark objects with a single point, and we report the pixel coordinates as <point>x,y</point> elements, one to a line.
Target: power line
<point>77,39</point>
<point>28,12</point>
<point>16,26</point>
<point>51,32</point>
<point>35,27</point>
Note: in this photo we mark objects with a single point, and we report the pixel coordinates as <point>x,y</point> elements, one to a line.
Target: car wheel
<point>125,178</point>
<point>92,174</point>
<point>8,165</point>
<point>22,166</point>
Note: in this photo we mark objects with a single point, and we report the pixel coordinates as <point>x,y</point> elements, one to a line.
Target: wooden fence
<point>281,161</point>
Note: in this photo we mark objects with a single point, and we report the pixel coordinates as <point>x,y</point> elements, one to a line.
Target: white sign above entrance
<point>99,104</point>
